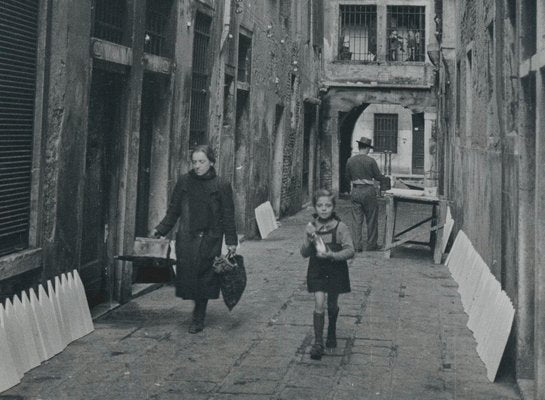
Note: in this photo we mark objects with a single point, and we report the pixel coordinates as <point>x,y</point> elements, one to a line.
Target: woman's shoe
<point>199,312</point>
<point>196,327</point>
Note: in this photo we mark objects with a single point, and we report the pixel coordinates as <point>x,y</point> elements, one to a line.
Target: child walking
<point>327,274</point>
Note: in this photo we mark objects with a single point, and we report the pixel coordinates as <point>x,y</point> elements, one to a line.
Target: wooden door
<point>100,191</point>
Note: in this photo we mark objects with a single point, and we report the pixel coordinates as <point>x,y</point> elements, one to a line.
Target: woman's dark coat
<point>195,252</point>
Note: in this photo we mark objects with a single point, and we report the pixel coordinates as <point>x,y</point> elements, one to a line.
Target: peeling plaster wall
<point>277,54</point>
<point>485,177</point>
<point>481,167</point>
<point>65,135</point>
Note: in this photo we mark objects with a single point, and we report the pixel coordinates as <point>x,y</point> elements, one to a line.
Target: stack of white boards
<point>266,221</point>
<point>34,328</point>
<point>489,308</point>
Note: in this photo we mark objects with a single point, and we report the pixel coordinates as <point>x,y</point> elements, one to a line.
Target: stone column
<point>526,233</point>
<point>64,144</point>
<point>382,35</point>
<point>539,326</point>
<point>130,144</point>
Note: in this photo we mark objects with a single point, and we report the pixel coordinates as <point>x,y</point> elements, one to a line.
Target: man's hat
<point>365,141</point>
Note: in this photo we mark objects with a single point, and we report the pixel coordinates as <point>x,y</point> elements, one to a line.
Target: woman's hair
<point>323,193</point>
<point>206,149</point>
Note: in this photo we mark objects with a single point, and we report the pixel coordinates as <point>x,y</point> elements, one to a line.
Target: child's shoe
<point>317,351</point>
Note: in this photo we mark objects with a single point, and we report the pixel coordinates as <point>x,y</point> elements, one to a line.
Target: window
<point>406,33</point>
<point>18,37</point>
<point>157,21</point>
<point>385,133</point>
<point>109,20</point>
<point>358,33</point>
<point>244,58</point>
<point>199,81</point>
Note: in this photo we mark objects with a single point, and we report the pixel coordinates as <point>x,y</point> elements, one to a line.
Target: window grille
<point>18,36</point>
<point>244,58</point>
<point>157,22</point>
<point>385,133</point>
<point>406,33</point>
<point>199,81</point>
<point>358,33</point>
<point>110,20</point>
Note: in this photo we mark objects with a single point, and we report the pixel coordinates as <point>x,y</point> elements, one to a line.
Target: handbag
<point>153,260</point>
<point>232,277</point>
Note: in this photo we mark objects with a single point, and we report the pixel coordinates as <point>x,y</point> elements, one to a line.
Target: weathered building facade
<point>491,115</point>
<point>378,82</point>
<point>102,102</point>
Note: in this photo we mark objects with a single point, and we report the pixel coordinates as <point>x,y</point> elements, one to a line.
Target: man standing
<point>363,173</point>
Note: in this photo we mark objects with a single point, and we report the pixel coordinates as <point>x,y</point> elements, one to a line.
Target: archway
<point>347,122</point>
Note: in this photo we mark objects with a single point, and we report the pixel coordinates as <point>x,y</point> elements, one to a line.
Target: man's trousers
<point>364,204</point>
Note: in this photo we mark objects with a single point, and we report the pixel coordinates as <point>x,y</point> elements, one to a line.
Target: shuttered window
<point>18,34</point>
<point>199,81</point>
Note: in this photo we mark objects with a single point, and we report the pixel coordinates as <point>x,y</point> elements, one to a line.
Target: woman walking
<point>203,204</point>
<point>329,245</point>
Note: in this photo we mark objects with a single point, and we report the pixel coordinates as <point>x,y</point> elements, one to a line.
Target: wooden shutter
<point>18,34</point>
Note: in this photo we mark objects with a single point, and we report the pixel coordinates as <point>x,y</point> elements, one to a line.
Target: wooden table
<point>437,218</point>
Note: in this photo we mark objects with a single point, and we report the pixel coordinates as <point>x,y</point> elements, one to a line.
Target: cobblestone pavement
<point>402,336</point>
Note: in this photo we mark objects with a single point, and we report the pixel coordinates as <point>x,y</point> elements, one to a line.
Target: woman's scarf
<point>200,210</point>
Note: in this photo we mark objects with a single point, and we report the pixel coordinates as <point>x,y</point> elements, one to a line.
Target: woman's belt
<point>200,233</point>
<point>363,182</point>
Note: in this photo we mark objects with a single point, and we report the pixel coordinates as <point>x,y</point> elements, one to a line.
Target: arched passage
<point>341,107</point>
<point>347,122</point>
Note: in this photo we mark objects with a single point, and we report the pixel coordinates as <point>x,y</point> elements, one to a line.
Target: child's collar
<point>332,217</point>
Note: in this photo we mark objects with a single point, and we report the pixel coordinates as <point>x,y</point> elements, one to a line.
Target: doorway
<point>418,144</point>
<point>100,188</point>
<point>347,122</point>
<point>153,117</point>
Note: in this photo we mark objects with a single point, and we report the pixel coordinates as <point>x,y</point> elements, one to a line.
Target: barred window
<point>358,33</point>
<point>385,133</point>
<point>406,33</point>
<point>157,22</point>
<point>199,81</point>
<point>110,20</point>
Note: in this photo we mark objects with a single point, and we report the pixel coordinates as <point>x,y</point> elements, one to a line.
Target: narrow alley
<point>402,336</point>
<point>135,133</point>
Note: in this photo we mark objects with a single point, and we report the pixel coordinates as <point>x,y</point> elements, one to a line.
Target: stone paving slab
<point>402,335</point>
